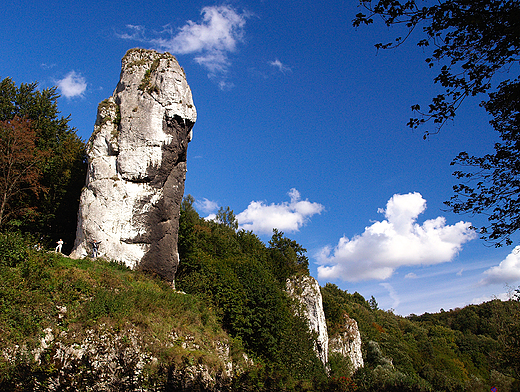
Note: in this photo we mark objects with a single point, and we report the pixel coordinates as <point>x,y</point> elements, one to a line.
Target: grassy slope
<point>40,291</point>
<point>85,300</point>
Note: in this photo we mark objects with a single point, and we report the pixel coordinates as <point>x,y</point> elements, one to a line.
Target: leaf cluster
<point>20,161</point>
<point>491,184</point>
<point>472,40</point>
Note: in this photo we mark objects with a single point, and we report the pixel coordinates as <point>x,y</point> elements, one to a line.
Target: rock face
<point>348,343</point>
<point>307,291</point>
<point>137,166</point>
<point>105,358</point>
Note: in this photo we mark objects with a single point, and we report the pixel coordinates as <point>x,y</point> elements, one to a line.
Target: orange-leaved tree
<point>19,166</point>
<point>47,205</point>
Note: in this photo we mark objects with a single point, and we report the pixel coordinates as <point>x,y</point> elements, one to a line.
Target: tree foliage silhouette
<point>477,46</point>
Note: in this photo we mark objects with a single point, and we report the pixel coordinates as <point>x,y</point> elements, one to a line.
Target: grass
<point>76,297</point>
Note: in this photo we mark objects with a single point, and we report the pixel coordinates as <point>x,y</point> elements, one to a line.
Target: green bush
<point>13,249</point>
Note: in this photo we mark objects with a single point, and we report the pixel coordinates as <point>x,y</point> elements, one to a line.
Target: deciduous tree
<point>62,168</point>
<point>472,41</point>
<point>227,217</point>
<point>19,167</point>
<point>287,257</point>
<point>491,184</point>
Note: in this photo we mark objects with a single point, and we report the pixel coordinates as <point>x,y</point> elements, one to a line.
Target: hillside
<point>97,325</point>
<point>470,349</point>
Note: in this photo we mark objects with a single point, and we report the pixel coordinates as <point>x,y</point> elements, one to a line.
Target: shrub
<point>13,249</point>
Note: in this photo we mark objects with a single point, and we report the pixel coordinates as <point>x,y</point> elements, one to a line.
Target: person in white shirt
<point>60,244</point>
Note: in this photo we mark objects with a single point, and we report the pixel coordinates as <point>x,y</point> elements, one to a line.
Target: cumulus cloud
<point>280,66</point>
<point>287,216</point>
<point>507,271</point>
<point>410,275</point>
<point>72,85</point>
<point>206,205</point>
<point>211,40</point>
<point>394,242</point>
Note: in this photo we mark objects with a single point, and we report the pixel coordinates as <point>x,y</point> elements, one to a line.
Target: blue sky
<point>301,126</point>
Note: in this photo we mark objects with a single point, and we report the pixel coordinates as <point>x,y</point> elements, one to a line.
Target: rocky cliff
<point>306,290</point>
<point>347,343</point>
<point>137,166</point>
<point>104,358</point>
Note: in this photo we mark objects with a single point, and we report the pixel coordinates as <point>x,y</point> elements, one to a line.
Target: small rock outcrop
<point>137,166</point>
<point>307,291</point>
<point>348,343</point>
<point>105,358</point>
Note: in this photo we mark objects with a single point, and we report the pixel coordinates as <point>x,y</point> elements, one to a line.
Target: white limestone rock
<point>137,166</point>
<point>347,343</point>
<point>307,291</point>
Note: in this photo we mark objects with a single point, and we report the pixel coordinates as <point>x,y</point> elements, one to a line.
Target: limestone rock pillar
<point>137,166</point>
<point>347,343</point>
<point>307,291</point>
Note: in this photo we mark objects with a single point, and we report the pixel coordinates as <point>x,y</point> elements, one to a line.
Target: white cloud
<point>137,33</point>
<point>287,216</point>
<point>217,35</point>
<point>508,271</point>
<point>48,66</point>
<point>394,242</point>
<point>206,205</point>
<point>220,29</point>
<point>393,294</point>
<point>410,275</point>
<point>72,85</point>
<point>225,85</point>
<point>280,66</point>
<point>487,298</point>
<point>211,40</point>
<point>211,217</point>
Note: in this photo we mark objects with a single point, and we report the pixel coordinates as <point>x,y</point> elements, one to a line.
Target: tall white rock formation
<point>347,343</point>
<point>137,166</point>
<point>308,293</point>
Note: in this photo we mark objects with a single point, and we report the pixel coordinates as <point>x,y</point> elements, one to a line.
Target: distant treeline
<point>470,349</point>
